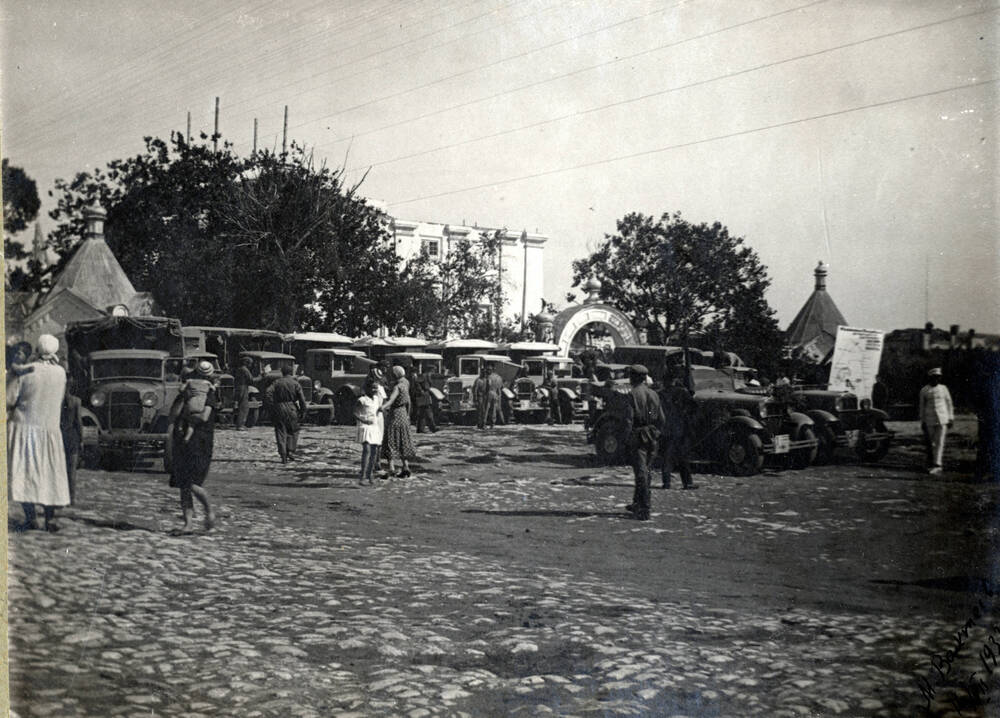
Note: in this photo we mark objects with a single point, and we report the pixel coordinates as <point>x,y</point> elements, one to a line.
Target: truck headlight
<point>97,399</point>
<point>149,399</point>
<point>838,404</point>
<point>866,404</point>
<point>317,385</point>
<point>762,410</point>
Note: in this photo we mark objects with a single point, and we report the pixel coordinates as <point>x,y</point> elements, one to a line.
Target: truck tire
<point>743,453</point>
<point>827,445</point>
<point>252,417</point>
<point>611,443</point>
<point>869,449</point>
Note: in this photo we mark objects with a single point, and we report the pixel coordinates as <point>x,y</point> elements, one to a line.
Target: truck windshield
<point>534,367</point>
<point>711,380</point>
<point>469,367</point>
<point>127,368</point>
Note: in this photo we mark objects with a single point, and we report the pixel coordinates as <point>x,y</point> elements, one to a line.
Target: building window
<point>432,247</point>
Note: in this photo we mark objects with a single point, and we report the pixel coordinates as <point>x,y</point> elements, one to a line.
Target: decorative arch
<point>568,323</point>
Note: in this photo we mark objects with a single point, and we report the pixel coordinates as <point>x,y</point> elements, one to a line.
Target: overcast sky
<point>858,132</point>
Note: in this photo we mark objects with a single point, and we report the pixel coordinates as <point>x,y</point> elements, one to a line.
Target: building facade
<point>521,272</point>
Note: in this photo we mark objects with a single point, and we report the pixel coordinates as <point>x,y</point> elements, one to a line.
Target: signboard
<point>856,357</point>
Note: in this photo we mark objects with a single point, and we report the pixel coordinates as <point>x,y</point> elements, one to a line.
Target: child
<point>195,392</point>
<point>369,430</point>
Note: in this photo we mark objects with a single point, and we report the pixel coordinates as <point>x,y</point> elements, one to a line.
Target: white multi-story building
<point>521,273</point>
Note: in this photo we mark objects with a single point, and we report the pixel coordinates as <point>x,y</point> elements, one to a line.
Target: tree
<point>683,280</point>
<point>20,207</point>
<point>270,241</point>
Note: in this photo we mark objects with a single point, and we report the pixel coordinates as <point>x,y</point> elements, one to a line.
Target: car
<point>130,394</point>
<point>842,421</point>
<point>460,407</point>
<point>735,428</point>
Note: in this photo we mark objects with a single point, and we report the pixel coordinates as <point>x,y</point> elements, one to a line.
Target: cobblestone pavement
<point>431,596</point>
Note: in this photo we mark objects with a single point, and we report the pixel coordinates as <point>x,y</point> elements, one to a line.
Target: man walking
<point>936,416</point>
<point>288,404</point>
<point>678,409</point>
<point>494,414</point>
<point>480,396</point>
<point>644,418</point>
<point>242,380</point>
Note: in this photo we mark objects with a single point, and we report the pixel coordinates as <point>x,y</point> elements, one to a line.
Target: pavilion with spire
<point>91,285</point>
<point>813,333</point>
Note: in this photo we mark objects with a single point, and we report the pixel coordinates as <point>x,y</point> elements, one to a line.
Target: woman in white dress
<point>36,461</point>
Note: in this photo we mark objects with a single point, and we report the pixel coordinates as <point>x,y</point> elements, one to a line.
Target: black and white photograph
<point>490,358</point>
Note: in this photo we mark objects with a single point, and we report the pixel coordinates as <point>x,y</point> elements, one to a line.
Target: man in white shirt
<point>936,416</point>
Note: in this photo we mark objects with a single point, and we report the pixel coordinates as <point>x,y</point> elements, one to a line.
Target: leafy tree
<point>20,199</point>
<point>684,280</point>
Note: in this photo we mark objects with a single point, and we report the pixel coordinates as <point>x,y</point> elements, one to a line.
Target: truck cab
<point>337,375</point>
<point>461,406</point>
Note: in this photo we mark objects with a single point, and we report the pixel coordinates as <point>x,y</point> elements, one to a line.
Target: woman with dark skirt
<point>398,438</point>
<point>191,462</point>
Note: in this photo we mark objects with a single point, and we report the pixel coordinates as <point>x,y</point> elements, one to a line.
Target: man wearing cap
<point>480,397</point>
<point>936,416</point>
<point>494,411</point>
<point>644,418</point>
<point>679,408</point>
<point>242,379</point>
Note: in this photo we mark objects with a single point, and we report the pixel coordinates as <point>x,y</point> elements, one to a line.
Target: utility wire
<point>669,90</point>
<point>694,143</point>
<point>588,68</point>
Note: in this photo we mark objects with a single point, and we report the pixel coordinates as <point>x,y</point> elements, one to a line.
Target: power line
<point>589,68</point>
<point>670,90</point>
<point>693,143</point>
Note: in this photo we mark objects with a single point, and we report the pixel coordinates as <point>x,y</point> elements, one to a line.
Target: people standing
<point>376,380</point>
<point>644,419</point>
<point>937,415</point>
<point>398,439</point>
<point>370,433</point>
<point>71,427</point>
<point>191,461</point>
<point>494,398</point>
<point>678,410</point>
<point>552,392</point>
<point>36,460</point>
<point>288,405</point>
<point>424,408</point>
<point>880,394</point>
<point>242,381</point>
<point>480,397</point>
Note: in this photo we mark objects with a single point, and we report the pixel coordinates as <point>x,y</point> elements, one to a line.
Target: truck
<point>337,375</point>
<point>461,407</point>
<point>127,373</point>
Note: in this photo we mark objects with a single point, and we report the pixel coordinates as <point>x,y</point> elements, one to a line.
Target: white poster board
<point>856,357</point>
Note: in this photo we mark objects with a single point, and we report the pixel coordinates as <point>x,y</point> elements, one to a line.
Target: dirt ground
<point>504,577</point>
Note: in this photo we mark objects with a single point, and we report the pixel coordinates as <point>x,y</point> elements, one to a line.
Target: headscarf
<point>48,347</point>
<point>398,372</point>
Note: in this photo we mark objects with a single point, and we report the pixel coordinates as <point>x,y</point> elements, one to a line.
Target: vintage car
<point>130,394</point>
<point>843,421</point>
<point>460,407</point>
<point>337,375</point>
<point>530,403</point>
<point>734,429</point>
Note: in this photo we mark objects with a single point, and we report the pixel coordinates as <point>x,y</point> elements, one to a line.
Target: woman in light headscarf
<point>36,460</point>
<point>398,439</point>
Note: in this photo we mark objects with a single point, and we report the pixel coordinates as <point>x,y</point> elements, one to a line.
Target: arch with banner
<point>570,323</point>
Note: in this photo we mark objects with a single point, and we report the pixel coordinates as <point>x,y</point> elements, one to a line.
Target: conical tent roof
<point>818,316</point>
<point>94,274</point>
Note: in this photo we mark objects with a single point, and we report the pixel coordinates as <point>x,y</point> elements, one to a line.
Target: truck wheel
<point>744,453</point>
<point>506,411</point>
<point>827,445</point>
<point>252,416</point>
<point>802,458</point>
<point>610,442</point>
<point>344,408</point>
<point>872,449</point>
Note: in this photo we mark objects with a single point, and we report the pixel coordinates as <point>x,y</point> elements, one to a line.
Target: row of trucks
<point>128,370</point>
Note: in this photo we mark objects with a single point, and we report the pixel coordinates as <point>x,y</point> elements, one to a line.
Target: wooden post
<point>215,134</point>
<point>254,135</point>
<point>187,137</point>
<point>524,282</point>
<point>284,132</point>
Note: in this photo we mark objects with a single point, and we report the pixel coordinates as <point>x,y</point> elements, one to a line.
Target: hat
<point>47,344</point>
<point>936,371</point>
<point>638,370</point>
<point>205,368</point>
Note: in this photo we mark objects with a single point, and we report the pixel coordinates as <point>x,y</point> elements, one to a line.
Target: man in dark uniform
<point>420,389</point>
<point>644,418</point>
<point>242,380</point>
<point>494,398</point>
<point>678,409</point>
<point>480,396</point>
<point>288,404</point>
<point>555,411</point>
